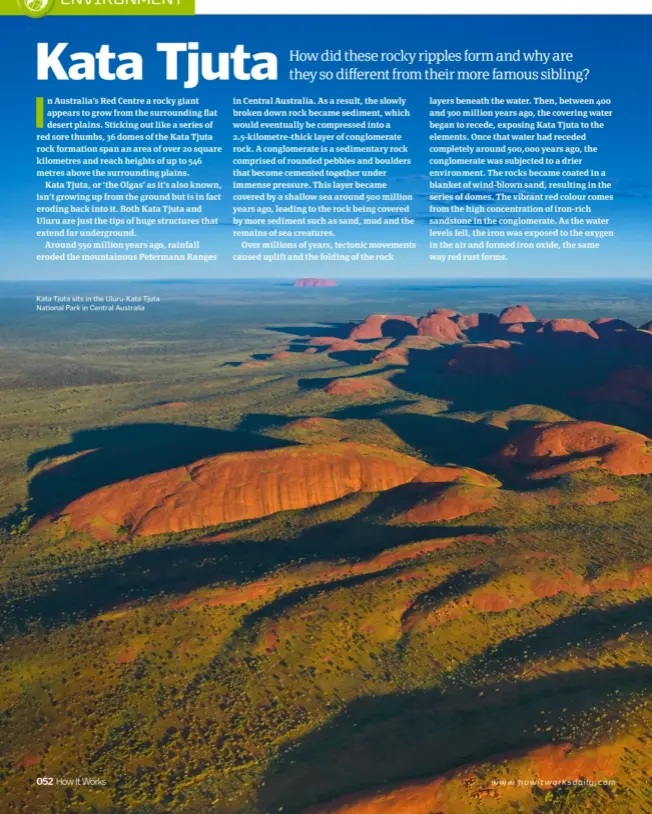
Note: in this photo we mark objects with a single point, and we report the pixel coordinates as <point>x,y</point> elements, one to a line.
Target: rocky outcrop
<point>569,326</point>
<point>343,345</point>
<point>239,486</point>
<point>600,494</point>
<point>358,386</point>
<point>398,353</point>
<point>441,327</point>
<point>325,341</point>
<point>456,474</point>
<point>516,313</point>
<point>377,326</point>
<point>438,504</point>
<point>550,450</point>
<point>313,282</point>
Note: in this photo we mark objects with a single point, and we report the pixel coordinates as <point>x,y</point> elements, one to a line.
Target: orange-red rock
<point>254,363</point>
<point>448,503</point>
<point>393,356</point>
<point>549,450</point>
<point>240,486</point>
<point>344,345</point>
<point>455,474</point>
<point>516,313</point>
<point>469,788</point>
<point>601,494</point>
<point>466,322</point>
<point>28,759</point>
<point>569,326</point>
<point>398,352</point>
<point>127,656</point>
<point>441,328</point>
<point>499,343</point>
<point>322,341</point>
<point>358,386</point>
<point>377,326</point>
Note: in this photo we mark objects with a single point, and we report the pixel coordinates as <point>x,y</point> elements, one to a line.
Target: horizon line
<point>336,279</point>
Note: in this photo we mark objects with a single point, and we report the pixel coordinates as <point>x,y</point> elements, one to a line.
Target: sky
<point>615,49</point>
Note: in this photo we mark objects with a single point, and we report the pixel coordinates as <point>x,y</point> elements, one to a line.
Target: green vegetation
<point>265,666</point>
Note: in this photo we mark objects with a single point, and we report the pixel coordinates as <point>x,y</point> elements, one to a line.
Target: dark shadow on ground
<point>179,568</point>
<point>112,454</point>
<point>286,603</point>
<point>452,587</point>
<point>394,738</point>
<point>260,422</point>
<point>368,411</point>
<point>338,329</point>
<point>442,439</point>
<point>554,372</point>
<point>397,328</point>
<point>589,627</point>
<point>354,357</point>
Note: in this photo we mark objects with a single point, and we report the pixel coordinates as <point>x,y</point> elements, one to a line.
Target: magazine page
<point>325,407</point>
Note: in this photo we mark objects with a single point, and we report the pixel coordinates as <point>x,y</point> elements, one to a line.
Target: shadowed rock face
<point>240,486</point>
<point>377,326</point>
<point>484,358</point>
<point>549,450</point>
<point>604,326</point>
<point>629,385</point>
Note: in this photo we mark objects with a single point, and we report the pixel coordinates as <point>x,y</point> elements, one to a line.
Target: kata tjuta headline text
<point>183,61</point>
